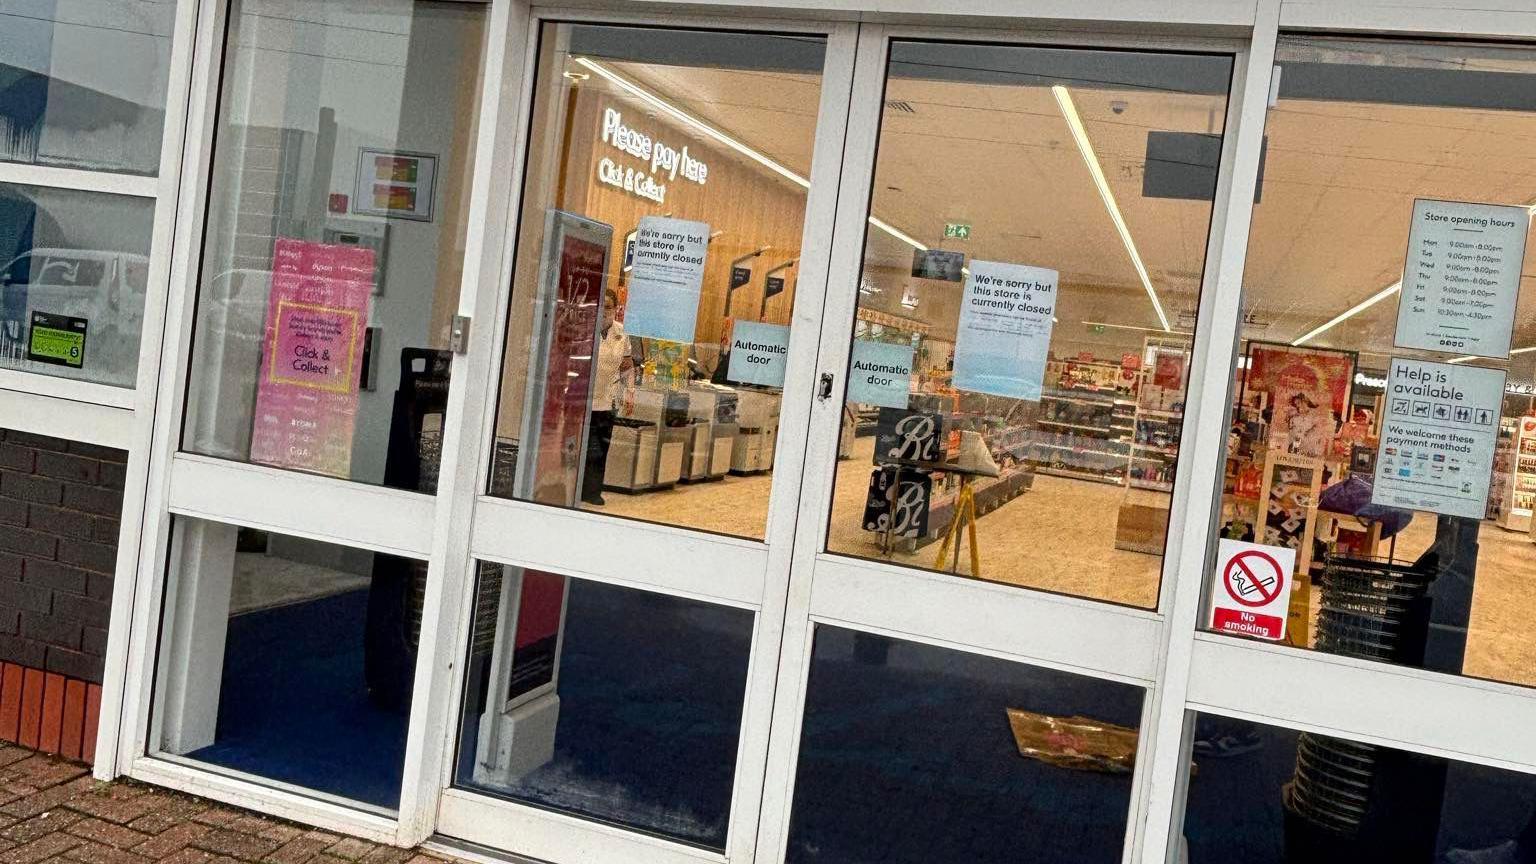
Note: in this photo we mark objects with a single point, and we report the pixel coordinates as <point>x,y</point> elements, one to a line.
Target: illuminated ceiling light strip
<point>778,168</point>
<point>1377,298</point>
<point>897,233</point>
<point>1526,350</point>
<point>1350,312</point>
<point>1080,135</point>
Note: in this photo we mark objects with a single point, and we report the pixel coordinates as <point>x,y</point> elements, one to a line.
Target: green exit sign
<point>958,230</point>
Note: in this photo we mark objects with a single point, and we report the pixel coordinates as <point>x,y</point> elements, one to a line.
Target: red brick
<point>68,466</point>
<point>350,849</point>
<point>45,848</point>
<point>31,705</point>
<point>299,850</point>
<point>189,856</point>
<point>91,499</point>
<point>226,841</point>
<point>31,488</point>
<point>172,839</point>
<point>14,457</point>
<point>35,441</point>
<point>42,772</point>
<point>96,557</point>
<point>92,718</point>
<point>116,803</point>
<point>41,802</point>
<point>98,853</point>
<point>218,816</point>
<point>169,810</point>
<point>53,713</point>
<point>74,719</point>
<point>59,522</point>
<point>10,702</point>
<point>13,512</point>
<point>59,577</point>
<point>27,830</point>
<point>107,833</point>
<point>28,543</point>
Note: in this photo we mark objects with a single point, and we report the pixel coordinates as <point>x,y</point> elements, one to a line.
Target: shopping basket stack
<point>1350,801</point>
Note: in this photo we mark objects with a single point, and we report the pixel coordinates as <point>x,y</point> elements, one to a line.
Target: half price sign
<point>1252,589</point>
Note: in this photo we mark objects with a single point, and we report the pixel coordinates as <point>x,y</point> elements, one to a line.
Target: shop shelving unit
<point>1159,416</point>
<point>1520,483</point>
<point>1080,442</point>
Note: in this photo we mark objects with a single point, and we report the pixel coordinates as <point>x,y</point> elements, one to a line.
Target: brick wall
<point>60,502</point>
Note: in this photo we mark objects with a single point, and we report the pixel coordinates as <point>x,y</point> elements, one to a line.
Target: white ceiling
<point>1331,229</point>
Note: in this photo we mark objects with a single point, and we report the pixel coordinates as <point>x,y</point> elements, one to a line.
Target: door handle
<point>824,390</point>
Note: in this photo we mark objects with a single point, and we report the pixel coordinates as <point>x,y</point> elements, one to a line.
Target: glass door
<point>992,501</point>
<point>630,532</point>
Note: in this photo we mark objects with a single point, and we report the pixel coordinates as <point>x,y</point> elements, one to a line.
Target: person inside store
<point>614,365</point>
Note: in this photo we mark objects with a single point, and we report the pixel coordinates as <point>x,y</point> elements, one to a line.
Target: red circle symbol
<point>1253,578</point>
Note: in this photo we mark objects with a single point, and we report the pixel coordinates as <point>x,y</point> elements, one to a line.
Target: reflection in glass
<point>912,754</point>
<point>1273,796</point>
<point>1026,313</point>
<point>1363,136</point>
<point>74,269</point>
<point>82,83</point>
<point>609,703</point>
<point>335,237</point>
<point>288,660</point>
<point>658,252</point>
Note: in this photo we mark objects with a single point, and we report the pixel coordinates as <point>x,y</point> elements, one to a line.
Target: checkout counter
<point>697,434</point>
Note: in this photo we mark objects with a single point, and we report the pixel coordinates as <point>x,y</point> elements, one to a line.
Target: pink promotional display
<point>306,399</point>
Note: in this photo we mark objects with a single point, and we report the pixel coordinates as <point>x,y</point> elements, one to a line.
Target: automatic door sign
<point>1252,589</point>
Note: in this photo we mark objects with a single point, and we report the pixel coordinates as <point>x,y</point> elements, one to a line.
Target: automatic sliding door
<point>631,541</point>
<point>1019,256</point>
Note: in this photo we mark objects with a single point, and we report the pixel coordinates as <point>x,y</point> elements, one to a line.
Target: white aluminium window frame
<point>1184,670</point>
<point>108,416</point>
<point>220,491</point>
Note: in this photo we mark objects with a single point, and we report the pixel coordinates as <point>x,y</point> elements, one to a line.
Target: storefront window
<point>1026,310</point>
<point>912,754</point>
<point>335,237</point>
<point>1267,794</point>
<point>288,660</point>
<point>1381,462</point>
<point>82,82</point>
<point>659,244</point>
<point>609,703</point>
<point>74,268</point>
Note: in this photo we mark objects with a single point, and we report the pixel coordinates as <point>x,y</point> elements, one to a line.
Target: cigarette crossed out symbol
<point>1253,578</point>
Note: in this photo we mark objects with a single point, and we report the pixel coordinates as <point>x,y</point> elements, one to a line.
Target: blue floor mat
<point>294,707</point>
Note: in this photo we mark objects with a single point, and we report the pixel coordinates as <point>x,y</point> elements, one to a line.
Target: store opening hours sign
<point>1252,589</point>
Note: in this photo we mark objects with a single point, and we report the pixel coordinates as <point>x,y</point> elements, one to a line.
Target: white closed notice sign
<point>1251,593</point>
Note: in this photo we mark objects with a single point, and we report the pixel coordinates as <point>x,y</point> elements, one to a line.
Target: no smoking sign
<point>1252,589</point>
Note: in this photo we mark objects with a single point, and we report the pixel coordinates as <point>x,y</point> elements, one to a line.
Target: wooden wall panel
<point>751,205</point>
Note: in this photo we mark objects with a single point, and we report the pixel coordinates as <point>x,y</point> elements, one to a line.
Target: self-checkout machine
<point>522,700</point>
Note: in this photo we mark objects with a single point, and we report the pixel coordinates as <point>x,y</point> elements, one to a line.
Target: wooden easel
<point>965,517</point>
